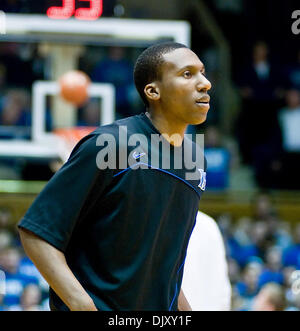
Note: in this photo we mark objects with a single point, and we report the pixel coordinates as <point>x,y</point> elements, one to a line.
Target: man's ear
<point>152,92</point>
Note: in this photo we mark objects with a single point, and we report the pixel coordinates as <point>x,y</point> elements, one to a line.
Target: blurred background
<point>252,134</point>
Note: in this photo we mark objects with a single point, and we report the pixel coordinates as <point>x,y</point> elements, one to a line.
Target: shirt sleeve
<point>67,196</point>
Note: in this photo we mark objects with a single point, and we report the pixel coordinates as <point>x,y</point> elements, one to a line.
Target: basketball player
<point>115,239</point>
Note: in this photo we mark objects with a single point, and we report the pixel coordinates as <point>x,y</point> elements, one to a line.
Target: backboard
<point>103,31</point>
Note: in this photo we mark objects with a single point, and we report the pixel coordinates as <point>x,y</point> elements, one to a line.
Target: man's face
<point>183,87</point>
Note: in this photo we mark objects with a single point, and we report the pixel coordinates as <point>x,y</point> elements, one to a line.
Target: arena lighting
<point>68,9</point>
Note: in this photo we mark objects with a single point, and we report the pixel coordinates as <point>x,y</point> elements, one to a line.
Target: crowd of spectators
<point>22,287</point>
<point>267,126</point>
<point>262,250</point>
<point>263,254</point>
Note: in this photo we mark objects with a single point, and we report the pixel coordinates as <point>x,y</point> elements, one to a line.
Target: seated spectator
<point>256,247</point>
<point>263,207</point>
<point>117,70</point>
<point>30,299</point>
<point>15,282</point>
<point>234,271</point>
<point>289,121</point>
<point>283,237</point>
<point>232,245</point>
<point>257,126</point>
<point>5,239</point>
<point>27,268</point>
<point>289,279</point>
<point>278,232</point>
<point>243,231</point>
<point>5,218</point>
<point>6,236</point>
<point>243,246</point>
<point>291,256</point>
<point>272,272</point>
<point>293,73</point>
<point>294,303</point>
<point>270,298</point>
<point>293,285</point>
<point>218,160</point>
<point>14,112</point>
<point>90,114</point>
<point>247,288</point>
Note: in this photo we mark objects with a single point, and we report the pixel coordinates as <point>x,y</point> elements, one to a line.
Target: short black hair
<point>148,65</point>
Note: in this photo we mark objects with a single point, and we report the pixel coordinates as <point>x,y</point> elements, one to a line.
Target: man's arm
<point>183,304</point>
<point>53,266</point>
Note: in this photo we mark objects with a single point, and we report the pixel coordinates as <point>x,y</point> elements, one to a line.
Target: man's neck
<point>173,132</point>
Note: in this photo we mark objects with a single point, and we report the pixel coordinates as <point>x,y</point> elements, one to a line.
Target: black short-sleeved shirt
<point>124,231</point>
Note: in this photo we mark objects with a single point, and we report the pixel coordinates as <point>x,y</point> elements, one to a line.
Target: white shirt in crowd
<point>290,123</point>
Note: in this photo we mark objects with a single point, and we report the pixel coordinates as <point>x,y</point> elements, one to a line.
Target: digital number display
<point>61,9</point>
<point>71,8</point>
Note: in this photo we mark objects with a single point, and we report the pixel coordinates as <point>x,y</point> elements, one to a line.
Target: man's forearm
<point>53,266</point>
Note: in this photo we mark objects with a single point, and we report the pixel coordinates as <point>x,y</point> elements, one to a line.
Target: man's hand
<point>183,304</point>
<point>82,304</point>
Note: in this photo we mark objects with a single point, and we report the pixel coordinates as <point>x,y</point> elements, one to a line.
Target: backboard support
<point>45,144</point>
<point>104,31</point>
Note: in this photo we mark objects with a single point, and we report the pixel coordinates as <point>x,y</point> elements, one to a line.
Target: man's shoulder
<point>116,131</point>
<point>130,123</point>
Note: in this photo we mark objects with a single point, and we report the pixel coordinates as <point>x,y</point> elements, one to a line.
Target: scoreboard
<point>68,9</point>
<point>62,9</point>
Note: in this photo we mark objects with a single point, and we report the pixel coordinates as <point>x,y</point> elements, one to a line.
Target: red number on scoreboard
<point>92,13</point>
<point>68,9</point>
<point>64,12</point>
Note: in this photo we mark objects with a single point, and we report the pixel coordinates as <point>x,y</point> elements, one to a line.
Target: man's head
<point>10,258</point>
<point>148,66</point>
<point>31,297</point>
<point>171,77</point>
<point>293,99</point>
<point>260,52</point>
<point>270,298</point>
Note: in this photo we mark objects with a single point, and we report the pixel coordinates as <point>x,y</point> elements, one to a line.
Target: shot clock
<point>87,10</point>
<point>68,9</point>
